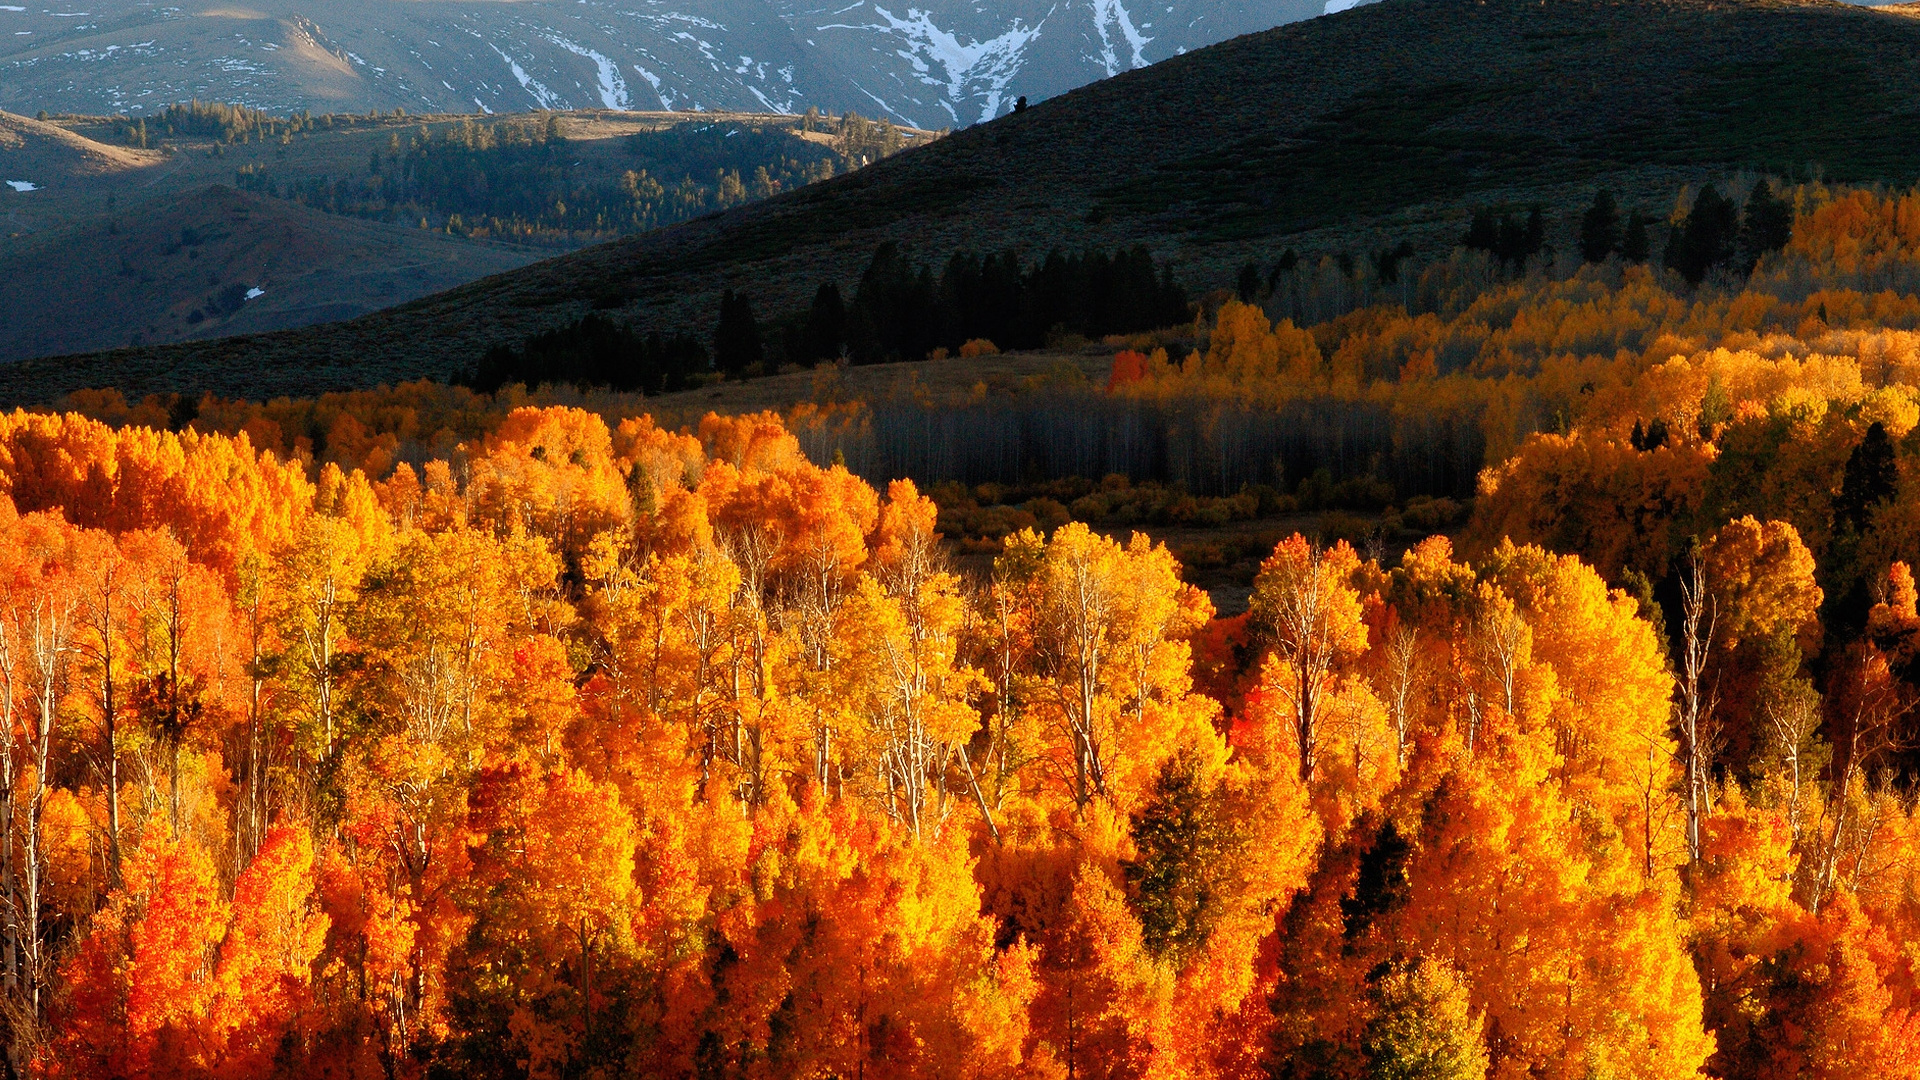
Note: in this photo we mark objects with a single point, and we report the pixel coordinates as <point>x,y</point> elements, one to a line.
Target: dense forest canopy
<point>427,731</point>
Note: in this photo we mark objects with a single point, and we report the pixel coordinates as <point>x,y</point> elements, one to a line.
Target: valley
<point>208,233</point>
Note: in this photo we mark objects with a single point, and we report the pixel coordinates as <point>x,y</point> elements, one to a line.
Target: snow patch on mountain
<point>965,68</point>
<point>1112,13</point>
<point>613,88</point>
<point>531,85</point>
<point>666,99</point>
<point>924,62</point>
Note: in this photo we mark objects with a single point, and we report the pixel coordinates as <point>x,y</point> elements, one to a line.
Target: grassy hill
<point>109,244</point>
<point>1385,123</point>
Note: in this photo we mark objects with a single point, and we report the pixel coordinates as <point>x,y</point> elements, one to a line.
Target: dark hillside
<point>1381,124</point>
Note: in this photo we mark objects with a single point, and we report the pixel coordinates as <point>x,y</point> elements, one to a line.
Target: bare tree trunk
<point>1831,858</point>
<point>1694,708</point>
<point>52,641</point>
<point>10,957</point>
<point>1402,662</point>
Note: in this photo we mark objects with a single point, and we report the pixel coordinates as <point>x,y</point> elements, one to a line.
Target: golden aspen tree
<point>552,473</point>
<point>1110,658</point>
<point>1309,616</point>
<point>40,604</point>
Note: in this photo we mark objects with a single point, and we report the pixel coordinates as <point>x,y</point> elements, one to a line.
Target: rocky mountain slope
<point>927,63</point>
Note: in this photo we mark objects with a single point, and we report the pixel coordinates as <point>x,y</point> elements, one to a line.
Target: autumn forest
<point>422,732</point>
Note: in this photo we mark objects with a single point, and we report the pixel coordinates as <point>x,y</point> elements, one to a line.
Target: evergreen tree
<point>893,315</point>
<point>1766,225</point>
<point>1534,239</point>
<point>825,337</point>
<point>1289,260</point>
<point>1483,234</point>
<point>737,348</point>
<point>1248,285</point>
<point>1381,886</point>
<point>1600,228</point>
<point>593,352</point>
<point>1386,264</point>
<point>1656,434</point>
<point>1706,238</point>
<point>1185,847</point>
<point>1635,246</point>
<point>1871,478</point>
<point>1423,1028</point>
<point>1511,241</point>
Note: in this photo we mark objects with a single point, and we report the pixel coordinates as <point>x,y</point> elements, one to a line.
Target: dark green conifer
<point>737,348</point>
<point>1600,228</point>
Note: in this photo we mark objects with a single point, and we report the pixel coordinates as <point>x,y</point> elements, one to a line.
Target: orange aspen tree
<point>1309,616</point>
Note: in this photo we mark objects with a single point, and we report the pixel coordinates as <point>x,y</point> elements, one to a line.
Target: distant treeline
<point>903,312</point>
<point>522,180</point>
<point>900,311</point>
<point>1200,445</point>
<point>592,352</point>
<point>207,120</point>
<point>1721,236</point>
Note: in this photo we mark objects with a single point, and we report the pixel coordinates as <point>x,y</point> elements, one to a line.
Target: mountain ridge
<point>931,63</point>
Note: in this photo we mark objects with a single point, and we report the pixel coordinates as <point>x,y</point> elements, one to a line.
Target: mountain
<point>1338,136</point>
<point>927,63</point>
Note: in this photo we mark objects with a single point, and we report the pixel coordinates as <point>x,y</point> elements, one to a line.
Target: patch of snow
<point>528,83</point>
<point>1340,5</point>
<point>769,104</point>
<point>977,68</point>
<point>483,106</point>
<point>666,99</point>
<point>613,88</point>
<point>10,7</point>
<point>1114,12</point>
<point>878,101</point>
<point>256,292</point>
<point>695,20</point>
<point>23,185</point>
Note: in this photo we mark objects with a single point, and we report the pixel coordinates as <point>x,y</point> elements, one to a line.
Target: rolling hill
<point>1385,123</point>
<point>37,148</point>
<point>106,245</point>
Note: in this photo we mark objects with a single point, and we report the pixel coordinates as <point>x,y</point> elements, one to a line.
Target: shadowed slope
<point>1384,121</point>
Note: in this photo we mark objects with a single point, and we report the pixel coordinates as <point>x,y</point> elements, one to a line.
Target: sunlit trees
<point>634,751</point>
<point>1305,610</point>
<point>1109,658</point>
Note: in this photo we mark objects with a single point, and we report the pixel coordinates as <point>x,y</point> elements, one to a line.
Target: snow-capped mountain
<point>928,63</point>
